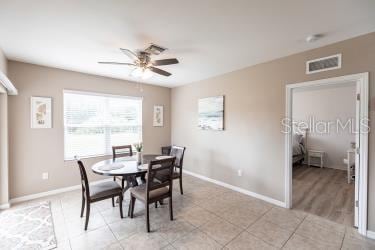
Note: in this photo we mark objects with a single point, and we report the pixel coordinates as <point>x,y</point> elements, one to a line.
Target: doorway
<point>360,81</point>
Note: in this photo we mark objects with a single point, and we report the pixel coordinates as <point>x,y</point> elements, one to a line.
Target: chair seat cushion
<point>163,175</point>
<point>105,189</point>
<point>139,192</point>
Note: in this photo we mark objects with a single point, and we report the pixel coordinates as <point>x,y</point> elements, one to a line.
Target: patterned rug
<point>29,227</point>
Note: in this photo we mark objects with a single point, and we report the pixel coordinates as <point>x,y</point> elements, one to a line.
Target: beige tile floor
<point>206,217</point>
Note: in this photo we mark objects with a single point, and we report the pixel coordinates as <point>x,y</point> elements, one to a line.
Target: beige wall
<point>3,62</point>
<point>318,104</point>
<point>34,151</point>
<point>4,190</point>
<point>254,106</point>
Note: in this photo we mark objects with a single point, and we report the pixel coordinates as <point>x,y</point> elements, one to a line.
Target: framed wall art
<point>41,112</point>
<point>158,116</point>
<point>211,113</point>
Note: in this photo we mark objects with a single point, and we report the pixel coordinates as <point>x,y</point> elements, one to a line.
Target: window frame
<point>80,92</point>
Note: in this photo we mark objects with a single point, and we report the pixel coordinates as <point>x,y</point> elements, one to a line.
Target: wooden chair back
<point>160,166</point>
<point>84,180</point>
<point>122,151</point>
<point>178,152</point>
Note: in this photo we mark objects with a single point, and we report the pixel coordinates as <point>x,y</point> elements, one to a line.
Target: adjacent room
<point>187,125</point>
<point>324,151</point>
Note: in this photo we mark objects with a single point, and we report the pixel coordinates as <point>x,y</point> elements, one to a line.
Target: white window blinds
<point>93,123</point>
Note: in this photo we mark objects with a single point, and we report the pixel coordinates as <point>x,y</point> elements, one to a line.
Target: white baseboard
<point>238,189</point>
<point>5,206</point>
<point>52,192</point>
<point>371,234</point>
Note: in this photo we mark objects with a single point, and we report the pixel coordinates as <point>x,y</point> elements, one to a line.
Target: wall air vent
<point>323,64</point>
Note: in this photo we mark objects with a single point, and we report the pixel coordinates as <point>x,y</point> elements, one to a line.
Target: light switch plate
<point>45,176</point>
<point>239,172</point>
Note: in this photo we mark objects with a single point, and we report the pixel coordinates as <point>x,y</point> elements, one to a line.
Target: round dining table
<point>126,167</point>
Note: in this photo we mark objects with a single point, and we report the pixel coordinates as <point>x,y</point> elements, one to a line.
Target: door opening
<point>360,147</point>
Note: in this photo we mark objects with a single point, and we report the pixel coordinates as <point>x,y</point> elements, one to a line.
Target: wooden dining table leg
<point>131,181</point>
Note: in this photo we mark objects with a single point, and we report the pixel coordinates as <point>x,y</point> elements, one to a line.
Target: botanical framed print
<point>158,116</point>
<point>211,113</point>
<point>41,112</point>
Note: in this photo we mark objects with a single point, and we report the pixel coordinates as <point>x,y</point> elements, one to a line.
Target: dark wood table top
<point>129,165</point>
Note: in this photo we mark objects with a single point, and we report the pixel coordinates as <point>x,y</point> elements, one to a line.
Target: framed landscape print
<point>158,116</point>
<point>211,113</point>
<point>41,112</point>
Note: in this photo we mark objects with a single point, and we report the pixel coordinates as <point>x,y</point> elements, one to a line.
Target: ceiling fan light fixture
<point>147,73</point>
<point>143,73</point>
<point>137,72</point>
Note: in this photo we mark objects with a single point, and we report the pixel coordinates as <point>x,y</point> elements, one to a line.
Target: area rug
<point>29,227</point>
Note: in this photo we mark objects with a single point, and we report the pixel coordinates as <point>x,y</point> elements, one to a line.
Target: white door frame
<point>362,82</point>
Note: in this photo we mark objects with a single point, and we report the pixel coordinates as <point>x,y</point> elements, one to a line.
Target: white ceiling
<point>209,37</point>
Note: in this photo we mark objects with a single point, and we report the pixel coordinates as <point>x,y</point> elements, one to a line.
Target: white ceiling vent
<point>323,64</point>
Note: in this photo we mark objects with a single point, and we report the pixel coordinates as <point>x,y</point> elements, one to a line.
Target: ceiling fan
<point>144,67</point>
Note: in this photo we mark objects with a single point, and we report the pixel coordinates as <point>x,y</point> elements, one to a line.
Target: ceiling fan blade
<point>160,71</point>
<point>129,53</point>
<point>155,49</point>
<point>165,62</point>
<point>118,63</point>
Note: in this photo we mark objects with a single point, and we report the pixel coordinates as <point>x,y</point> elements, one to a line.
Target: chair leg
<point>87,214</point>
<point>132,203</point>
<point>121,213</point>
<point>113,201</point>
<point>170,208</point>
<point>122,183</point>
<point>181,190</point>
<point>143,178</point>
<point>83,205</point>
<point>147,218</point>
<point>130,207</point>
<point>114,178</point>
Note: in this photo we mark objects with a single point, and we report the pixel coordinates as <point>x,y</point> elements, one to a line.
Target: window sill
<point>87,157</point>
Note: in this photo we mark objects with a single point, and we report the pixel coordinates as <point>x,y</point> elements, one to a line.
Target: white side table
<point>315,154</point>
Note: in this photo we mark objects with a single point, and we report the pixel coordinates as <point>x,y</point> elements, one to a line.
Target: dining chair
<point>177,152</point>
<point>121,151</point>
<point>153,191</point>
<point>98,192</point>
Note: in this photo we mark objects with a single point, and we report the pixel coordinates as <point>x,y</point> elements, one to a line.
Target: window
<point>93,123</point>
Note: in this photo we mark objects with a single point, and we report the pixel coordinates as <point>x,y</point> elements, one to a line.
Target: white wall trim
<point>371,235</point>
<point>52,192</point>
<point>4,80</point>
<point>237,189</point>
<point>4,206</point>
<point>361,80</point>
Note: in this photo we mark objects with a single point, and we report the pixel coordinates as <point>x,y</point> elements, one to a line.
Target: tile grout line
<point>199,227</point>
<point>228,210</point>
<point>245,230</point>
<point>110,229</point>
<point>256,222</point>
<point>174,220</point>
<point>294,231</point>
<point>201,231</point>
<point>343,238</point>
<point>312,215</point>
<point>62,214</point>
